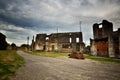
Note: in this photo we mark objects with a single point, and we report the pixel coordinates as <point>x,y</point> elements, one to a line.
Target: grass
<point>102,59</point>
<point>49,54</point>
<point>58,54</point>
<point>9,63</point>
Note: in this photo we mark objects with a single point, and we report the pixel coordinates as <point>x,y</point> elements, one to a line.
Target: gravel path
<point>46,68</point>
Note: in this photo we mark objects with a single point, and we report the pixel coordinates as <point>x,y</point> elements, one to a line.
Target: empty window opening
<point>100,26</point>
<point>70,39</point>
<point>77,40</point>
<point>47,38</point>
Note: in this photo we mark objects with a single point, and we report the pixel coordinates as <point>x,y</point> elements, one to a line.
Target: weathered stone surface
<point>106,41</point>
<point>62,42</point>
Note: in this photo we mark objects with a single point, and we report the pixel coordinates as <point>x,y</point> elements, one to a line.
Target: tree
<point>14,47</point>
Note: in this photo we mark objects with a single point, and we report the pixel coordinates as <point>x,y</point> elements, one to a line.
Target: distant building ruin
<point>106,42</point>
<point>3,43</point>
<point>61,42</point>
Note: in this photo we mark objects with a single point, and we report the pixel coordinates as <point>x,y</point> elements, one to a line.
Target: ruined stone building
<point>62,42</point>
<point>106,42</point>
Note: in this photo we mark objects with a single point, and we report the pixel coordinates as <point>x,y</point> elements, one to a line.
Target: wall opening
<point>100,26</point>
<point>77,40</point>
<point>70,39</point>
<point>47,38</point>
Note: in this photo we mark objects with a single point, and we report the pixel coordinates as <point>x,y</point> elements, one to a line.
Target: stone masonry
<point>106,42</point>
<point>62,42</point>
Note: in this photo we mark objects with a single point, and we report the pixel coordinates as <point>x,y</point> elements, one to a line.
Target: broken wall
<point>105,42</point>
<point>104,31</point>
<point>62,42</point>
<point>40,42</point>
<point>119,42</point>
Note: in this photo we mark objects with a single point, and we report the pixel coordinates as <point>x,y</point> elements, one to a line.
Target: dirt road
<point>46,68</point>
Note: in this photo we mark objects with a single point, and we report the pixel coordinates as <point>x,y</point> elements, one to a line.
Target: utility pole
<point>28,42</point>
<point>80,25</point>
<point>57,29</point>
<point>33,44</point>
<point>57,38</point>
<point>80,35</point>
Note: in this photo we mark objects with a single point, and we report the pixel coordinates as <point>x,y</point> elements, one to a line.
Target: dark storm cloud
<point>10,12</point>
<point>23,22</point>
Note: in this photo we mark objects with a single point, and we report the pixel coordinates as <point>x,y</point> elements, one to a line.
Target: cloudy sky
<point>22,18</point>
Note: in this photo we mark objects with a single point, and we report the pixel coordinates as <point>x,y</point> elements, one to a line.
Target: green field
<point>102,59</point>
<point>50,54</point>
<point>58,54</point>
<point>9,63</point>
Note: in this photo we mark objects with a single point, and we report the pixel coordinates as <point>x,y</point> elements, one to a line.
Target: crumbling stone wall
<point>116,42</point>
<point>93,47</point>
<point>63,42</point>
<point>68,42</point>
<point>119,41</point>
<point>40,42</point>
<point>105,42</point>
<point>105,31</point>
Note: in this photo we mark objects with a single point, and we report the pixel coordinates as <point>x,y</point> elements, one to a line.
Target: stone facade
<point>62,42</point>
<point>106,42</point>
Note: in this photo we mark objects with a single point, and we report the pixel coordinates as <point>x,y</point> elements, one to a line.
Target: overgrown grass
<point>49,54</point>
<point>58,54</point>
<point>9,63</point>
<point>102,59</point>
